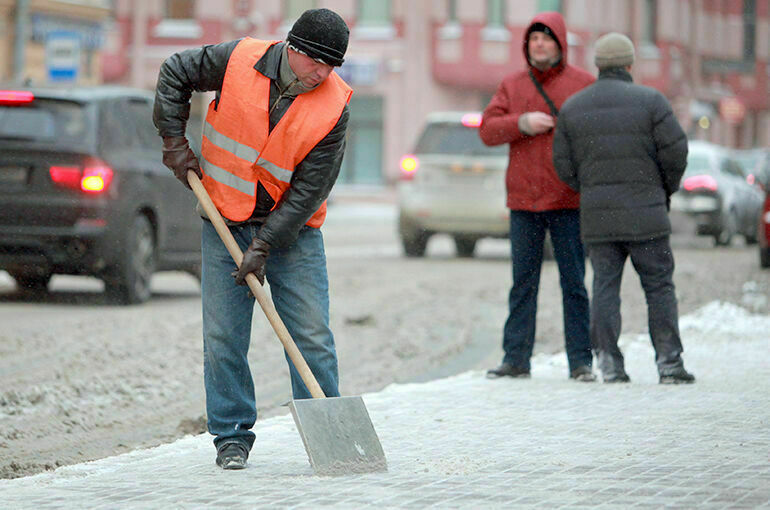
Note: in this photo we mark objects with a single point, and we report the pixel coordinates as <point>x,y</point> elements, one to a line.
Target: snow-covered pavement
<point>469,442</point>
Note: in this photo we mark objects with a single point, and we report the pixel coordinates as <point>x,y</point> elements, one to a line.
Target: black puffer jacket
<point>621,147</point>
<point>203,69</point>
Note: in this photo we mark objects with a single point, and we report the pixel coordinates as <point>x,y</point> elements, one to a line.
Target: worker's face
<point>543,49</point>
<point>310,72</point>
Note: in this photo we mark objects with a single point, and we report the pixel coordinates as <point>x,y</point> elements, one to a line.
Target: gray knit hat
<point>614,50</point>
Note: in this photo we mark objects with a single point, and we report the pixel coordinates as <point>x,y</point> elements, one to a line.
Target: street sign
<point>62,55</point>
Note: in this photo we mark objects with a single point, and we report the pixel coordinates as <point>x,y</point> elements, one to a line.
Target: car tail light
<point>409,165</point>
<point>67,176</point>
<point>92,178</point>
<point>471,120</point>
<point>700,182</point>
<point>16,97</point>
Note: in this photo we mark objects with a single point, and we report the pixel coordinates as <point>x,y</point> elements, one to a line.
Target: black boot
<point>232,455</point>
<point>677,376</point>
<point>617,377</point>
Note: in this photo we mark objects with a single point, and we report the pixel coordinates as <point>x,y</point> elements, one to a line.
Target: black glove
<point>178,156</point>
<point>253,262</point>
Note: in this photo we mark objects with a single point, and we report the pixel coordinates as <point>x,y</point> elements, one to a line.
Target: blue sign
<point>62,55</point>
<point>91,33</point>
<point>359,71</point>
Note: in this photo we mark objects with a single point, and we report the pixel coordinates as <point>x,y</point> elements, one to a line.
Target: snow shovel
<point>337,432</point>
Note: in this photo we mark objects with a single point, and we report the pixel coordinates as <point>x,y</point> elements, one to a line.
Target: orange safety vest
<point>238,151</point>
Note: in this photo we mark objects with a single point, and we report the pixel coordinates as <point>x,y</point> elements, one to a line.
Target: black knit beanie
<point>320,34</point>
<point>540,27</point>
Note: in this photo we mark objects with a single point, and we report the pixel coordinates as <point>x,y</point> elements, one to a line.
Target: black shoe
<point>583,374</point>
<point>616,378</point>
<point>677,376</point>
<point>232,455</point>
<point>507,370</point>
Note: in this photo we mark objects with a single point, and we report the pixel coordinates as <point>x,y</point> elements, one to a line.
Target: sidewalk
<point>468,442</point>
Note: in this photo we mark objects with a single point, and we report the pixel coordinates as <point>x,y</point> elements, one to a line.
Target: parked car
<point>756,164</point>
<point>717,194</point>
<point>452,184</point>
<point>83,191</point>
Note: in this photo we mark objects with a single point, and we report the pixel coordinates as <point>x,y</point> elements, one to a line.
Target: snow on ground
<point>709,332</point>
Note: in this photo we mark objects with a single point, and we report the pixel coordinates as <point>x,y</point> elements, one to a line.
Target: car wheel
<point>729,227</point>
<point>414,245</point>
<point>764,257</point>
<point>31,282</point>
<point>131,283</point>
<point>413,238</point>
<point>465,246</point>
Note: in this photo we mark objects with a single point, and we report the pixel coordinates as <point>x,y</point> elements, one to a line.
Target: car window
<point>748,159</point>
<point>731,167</point>
<point>454,138</point>
<point>117,131</point>
<point>698,163</point>
<point>140,111</point>
<point>63,123</point>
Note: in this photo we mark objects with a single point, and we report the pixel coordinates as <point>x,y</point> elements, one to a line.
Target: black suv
<point>83,191</point>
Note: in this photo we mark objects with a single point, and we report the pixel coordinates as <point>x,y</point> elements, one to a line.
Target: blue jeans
<point>527,238</point>
<point>300,291</point>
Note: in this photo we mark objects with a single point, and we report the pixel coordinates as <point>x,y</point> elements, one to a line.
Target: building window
<point>451,11</point>
<point>496,13</point>
<point>650,29</point>
<point>179,9</point>
<point>292,9</point>
<point>178,21</point>
<point>749,29</point>
<point>375,13</point>
<point>549,5</point>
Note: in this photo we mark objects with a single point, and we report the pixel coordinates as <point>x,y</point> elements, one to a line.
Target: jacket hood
<point>555,22</point>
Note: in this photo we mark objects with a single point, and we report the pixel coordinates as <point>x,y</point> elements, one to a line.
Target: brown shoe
<point>583,374</point>
<point>508,370</point>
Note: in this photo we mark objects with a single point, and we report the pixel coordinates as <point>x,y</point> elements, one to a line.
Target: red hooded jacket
<point>531,180</point>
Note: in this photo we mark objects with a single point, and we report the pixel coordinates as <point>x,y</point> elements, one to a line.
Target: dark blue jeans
<point>527,237</point>
<point>300,291</point>
<point>654,262</point>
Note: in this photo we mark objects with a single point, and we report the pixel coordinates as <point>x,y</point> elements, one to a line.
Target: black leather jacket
<point>203,69</point>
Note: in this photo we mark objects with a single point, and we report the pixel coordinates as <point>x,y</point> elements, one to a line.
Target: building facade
<point>47,41</point>
<point>407,58</point>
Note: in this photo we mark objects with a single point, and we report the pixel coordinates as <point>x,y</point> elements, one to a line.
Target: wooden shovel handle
<point>264,301</point>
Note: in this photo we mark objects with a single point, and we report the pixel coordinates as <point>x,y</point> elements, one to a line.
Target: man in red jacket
<point>522,114</point>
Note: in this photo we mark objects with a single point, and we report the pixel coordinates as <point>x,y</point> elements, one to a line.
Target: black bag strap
<point>539,86</point>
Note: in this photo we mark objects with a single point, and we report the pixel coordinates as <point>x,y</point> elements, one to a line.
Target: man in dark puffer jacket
<point>621,147</point>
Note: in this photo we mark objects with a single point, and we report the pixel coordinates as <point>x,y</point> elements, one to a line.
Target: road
<point>81,379</point>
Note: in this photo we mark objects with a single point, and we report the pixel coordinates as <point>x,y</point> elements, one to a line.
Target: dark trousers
<point>654,262</point>
<point>527,237</point>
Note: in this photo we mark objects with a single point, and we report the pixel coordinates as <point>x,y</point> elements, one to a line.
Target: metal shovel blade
<point>338,435</point>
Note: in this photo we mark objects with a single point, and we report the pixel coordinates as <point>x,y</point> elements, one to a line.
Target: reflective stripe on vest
<point>241,151</point>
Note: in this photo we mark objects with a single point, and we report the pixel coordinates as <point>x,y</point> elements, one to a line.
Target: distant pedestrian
<point>522,114</point>
<point>621,147</point>
<point>273,143</point>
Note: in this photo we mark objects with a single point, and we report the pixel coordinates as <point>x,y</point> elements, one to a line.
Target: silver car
<point>715,192</point>
<point>452,184</point>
